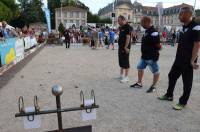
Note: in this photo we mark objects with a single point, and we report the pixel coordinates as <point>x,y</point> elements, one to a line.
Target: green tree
<point>8,10</point>
<point>197,13</point>
<point>61,28</point>
<point>31,11</point>
<point>52,5</point>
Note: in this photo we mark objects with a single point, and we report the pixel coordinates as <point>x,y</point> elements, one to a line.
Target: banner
<point>48,18</point>
<point>33,41</point>
<point>19,48</point>
<point>27,43</point>
<point>7,51</point>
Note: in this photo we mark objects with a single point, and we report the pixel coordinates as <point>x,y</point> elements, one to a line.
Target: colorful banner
<point>7,51</point>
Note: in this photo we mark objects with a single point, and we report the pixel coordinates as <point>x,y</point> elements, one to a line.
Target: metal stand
<point>57,91</point>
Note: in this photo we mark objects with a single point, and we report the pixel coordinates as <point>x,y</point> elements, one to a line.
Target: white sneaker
<point>124,80</point>
<point>121,77</point>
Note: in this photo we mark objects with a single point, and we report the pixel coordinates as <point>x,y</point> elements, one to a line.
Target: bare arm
<point>127,41</point>
<point>195,54</point>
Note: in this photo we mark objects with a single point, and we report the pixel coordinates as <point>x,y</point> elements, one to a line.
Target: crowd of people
<point>7,31</point>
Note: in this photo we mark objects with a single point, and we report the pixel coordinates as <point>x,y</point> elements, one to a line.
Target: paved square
<point>122,109</point>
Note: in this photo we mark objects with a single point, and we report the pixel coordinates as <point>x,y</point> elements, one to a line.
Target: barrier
<point>19,48</point>
<point>13,49</point>
<point>7,51</point>
<point>27,43</point>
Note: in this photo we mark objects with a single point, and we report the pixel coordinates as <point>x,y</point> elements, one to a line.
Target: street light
<point>113,14</point>
<point>61,12</point>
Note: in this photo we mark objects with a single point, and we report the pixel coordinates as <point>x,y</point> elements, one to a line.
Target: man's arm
<point>195,54</point>
<point>128,37</point>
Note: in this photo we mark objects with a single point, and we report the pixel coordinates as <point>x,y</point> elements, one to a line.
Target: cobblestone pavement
<point>122,109</point>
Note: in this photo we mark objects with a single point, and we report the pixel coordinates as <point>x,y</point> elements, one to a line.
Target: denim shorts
<point>153,65</point>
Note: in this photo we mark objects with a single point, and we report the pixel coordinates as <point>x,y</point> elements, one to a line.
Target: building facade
<point>134,12</point>
<point>70,16</point>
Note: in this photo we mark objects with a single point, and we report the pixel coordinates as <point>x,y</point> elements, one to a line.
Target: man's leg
<point>140,76</point>
<point>155,79</point>
<point>173,75</point>
<point>126,72</point>
<point>187,77</point>
<point>121,73</point>
<point>113,47</point>
<point>68,44</point>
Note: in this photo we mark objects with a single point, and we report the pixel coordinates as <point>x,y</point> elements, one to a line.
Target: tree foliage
<point>8,10</point>
<point>61,28</point>
<point>197,13</point>
<point>94,18</point>
<point>31,11</point>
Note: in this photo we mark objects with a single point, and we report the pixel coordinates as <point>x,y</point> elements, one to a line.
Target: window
<point>58,21</point>
<point>71,21</point>
<point>83,22</point>
<point>77,14</point>
<point>129,16</point>
<point>77,22</point>
<point>65,22</point>
<point>71,14</point>
<point>58,14</point>
<point>65,13</point>
<point>83,14</point>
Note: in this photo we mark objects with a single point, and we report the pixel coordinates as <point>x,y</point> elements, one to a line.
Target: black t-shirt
<point>1,33</point>
<point>67,35</point>
<point>189,34</point>
<point>124,31</point>
<point>150,44</point>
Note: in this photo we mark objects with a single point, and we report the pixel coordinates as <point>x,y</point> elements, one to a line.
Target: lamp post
<point>61,13</point>
<point>195,6</point>
<point>113,14</point>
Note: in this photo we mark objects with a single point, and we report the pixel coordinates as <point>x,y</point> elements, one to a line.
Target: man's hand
<point>195,65</point>
<point>127,50</point>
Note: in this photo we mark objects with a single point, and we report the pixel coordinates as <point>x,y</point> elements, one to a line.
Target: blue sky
<point>95,5</point>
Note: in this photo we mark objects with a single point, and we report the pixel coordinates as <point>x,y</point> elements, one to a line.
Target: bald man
<point>150,54</point>
<point>186,58</point>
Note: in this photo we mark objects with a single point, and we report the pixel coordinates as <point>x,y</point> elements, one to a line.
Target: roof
<point>175,9</point>
<point>109,7</point>
<point>71,8</point>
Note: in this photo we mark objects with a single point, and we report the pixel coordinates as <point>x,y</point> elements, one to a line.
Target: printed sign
<point>31,122</point>
<point>88,114</point>
<point>7,51</point>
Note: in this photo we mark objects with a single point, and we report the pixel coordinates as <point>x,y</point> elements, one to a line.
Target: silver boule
<point>57,90</point>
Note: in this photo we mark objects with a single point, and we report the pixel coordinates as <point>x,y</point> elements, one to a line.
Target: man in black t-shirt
<point>124,48</point>
<point>186,58</point>
<point>150,54</point>
<point>67,38</point>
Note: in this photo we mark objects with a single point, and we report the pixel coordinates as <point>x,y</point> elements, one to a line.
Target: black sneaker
<point>136,85</point>
<point>151,89</point>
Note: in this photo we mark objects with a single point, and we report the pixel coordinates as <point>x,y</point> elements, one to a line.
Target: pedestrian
<point>150,54</point>
<point>100,36</point>
<point>186,58</point>
<point>67,38</point>
<point>111,39</point>
<point>124,43</point>
<point>173,38</point>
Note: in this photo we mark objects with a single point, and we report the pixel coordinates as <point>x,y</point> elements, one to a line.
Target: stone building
<point>70,16</point>
<point>134,11</point>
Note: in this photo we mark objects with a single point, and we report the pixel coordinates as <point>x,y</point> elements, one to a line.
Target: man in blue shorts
<point>150,54</point>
